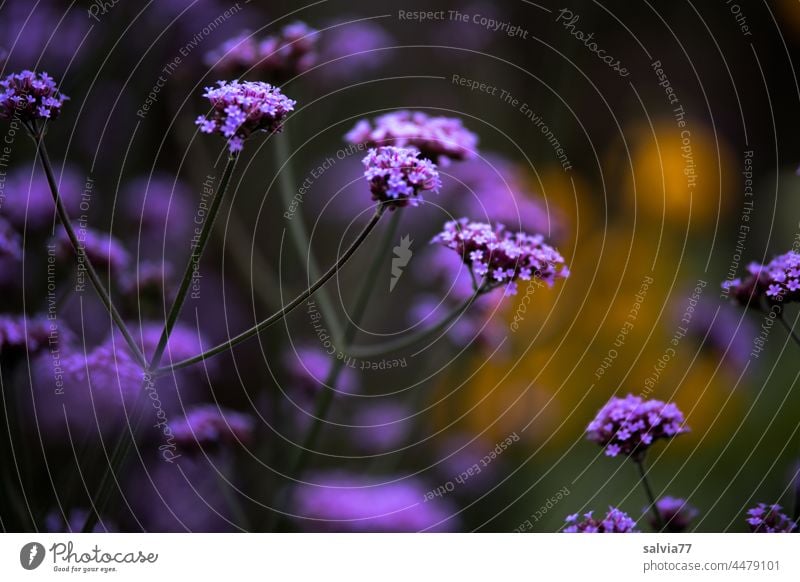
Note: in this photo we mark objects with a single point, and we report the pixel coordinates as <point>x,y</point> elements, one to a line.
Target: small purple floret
<point>615,521</point>
<point>397,176</point>
<point>31,96</point>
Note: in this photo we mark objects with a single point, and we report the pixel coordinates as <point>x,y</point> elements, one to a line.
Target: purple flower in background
<point>10,241</point>
<point>208,424</point>
<point>630,425</point>
<point>437,138</point>
<point>240,109</point>
<point>495,190</point>
<point>235,56</point>
<point>277,58</point>
<point>289,53</point>
<point>148,279</point>
<point>184,342</point>
<point>183,496</point>
<point>30,96</point>
<point>353,50</point>
<point>92,392</point>
<point>777,281</point>
<point>21,332</point>
<point>398,176</point>
<point>340,502</point>
<point>722,328</point>
<point>157,207</point>
<point>676,513</point>
<point>502,257</point>
<point>308,368</point>
<point>55,522</point>
<point>28,202</point>
<point>381,427</point>
<point>615,521</point>
<point>104,251</point>
<point>765,518</point>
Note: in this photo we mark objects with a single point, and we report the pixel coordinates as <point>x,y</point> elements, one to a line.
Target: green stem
<point>279,315</point>
<point>80,252</point>
<point>297,229</point>
<point>327,391</point>
<point>377,350</point>
<point>194,259</point>
<point>649,492</point>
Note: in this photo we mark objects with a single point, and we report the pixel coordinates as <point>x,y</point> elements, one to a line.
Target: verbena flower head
<point>276,58</point>
<point>437,138</point>
<point>676,513</point>
<point>398,176</point>
<point>242,108</point>
<point>630,425</point>
<point>104,251</point>
<point>31,96</point>
<point>28,202</point>
<point>341,502</point>
<point>778,280</point>
<point>502,257</point>
<point>289,53</point>
<point>10,241</point>
<point>765,518</point>
<point>615,521</point>
<point>21,332</point>
<point>210,425</point>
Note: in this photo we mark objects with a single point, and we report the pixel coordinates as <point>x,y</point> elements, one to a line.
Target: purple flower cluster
<point>277,57</point>
<point>26,333</point>
<point>629,425</point>
<point>10,241</point>
<point>615,521</point>
<point>397,176</point>
<point>29,202</point>
<point>676,513</point>
<point>765,518</point>
<point>208,425</point>
<point>437,138</point>
<point>778,280</point>
<point>240,109</point>
<point>103,250</point>
<point>348,503</point>
<point>502,257</point>
<point>31,96</point>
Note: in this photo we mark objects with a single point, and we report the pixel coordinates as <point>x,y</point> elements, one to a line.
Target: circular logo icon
<point>31,555</point>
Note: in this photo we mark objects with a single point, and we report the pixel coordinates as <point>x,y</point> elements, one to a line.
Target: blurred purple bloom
<point>54,522</point>
<point>494,189</point>
<point>10,241</point>
<point>722,328</point>
<point>676,513</point>
<point>615,521</point>
<point>28,202</point>
<point>502,257</point>
<point>43,32</point>
<point>103,250</point>
<point>158,207</point>
<point>353,50</point>
<point>437,138</point>
<point>96,389</point>
<point>208,424</point>
<point>183,496</point>
<point>308,368</point>
<point>765,518</point>
<point>278,57</point>
<point>184,342</point>
<point>21,332</point>
<point>778,280</point>
<point>630,425</point>
<point>30,96</point>
<point>382,427</point>
<point>398,176</point>
<point>240,109</point>
<point>148,279</point>
<point>340,502</point>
